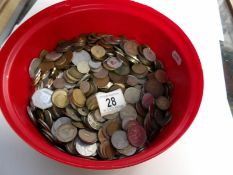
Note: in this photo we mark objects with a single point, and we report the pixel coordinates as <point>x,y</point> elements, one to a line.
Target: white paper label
<point>110,102</point>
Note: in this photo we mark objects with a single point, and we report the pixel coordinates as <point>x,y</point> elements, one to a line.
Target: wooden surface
<point>7,10</point>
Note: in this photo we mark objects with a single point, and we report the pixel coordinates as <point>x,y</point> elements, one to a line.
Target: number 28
<point>111,101</point>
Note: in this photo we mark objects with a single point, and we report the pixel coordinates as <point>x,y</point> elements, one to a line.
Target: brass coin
<point>60,98</point>
<point>101,83</point>
<point>98,52</point>
<point>87,136</point>
<point>139,69</point>
<point>113,125</point>
<point>78,98</point>
<point>46,66</point>
<point>83,67</point>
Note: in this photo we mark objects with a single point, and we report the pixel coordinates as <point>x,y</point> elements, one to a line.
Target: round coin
<point>80,56</point>
<point>33,67</point>
<point>154,87</point>
<point>131,48</point>
<point>42,98</point>
<point>161,76</point>
<point>149,54</point>
<point>85,149</point>
<point>139,69</point>
<point>132,95</point>
<point>101,74</point>
<point>87,136</point>
<point>136,135</point>
<point>66,133</point>
<point>83,67</point>
<point>119,139</point>
<point>114,62</point>
<point>98,52</point>
<point>128,111</point>
<point>59,83</point>
<point>60,98</point>
<point>162,102</point>
<point>128,151</point>
<point>53,56</point>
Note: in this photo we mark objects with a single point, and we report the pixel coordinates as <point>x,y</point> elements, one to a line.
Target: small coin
<point>132,80</point>
<point>98,52</point>
<point>161,76</point>
<point>42,124</point>
<point>80,56</point>
<point>83,67</point>
<point>79,125</point>
<point>132,95</point>
<point>60,98</point>
<point>70,147</point>
<point>162,102</point>
<point>154,87</point>
<point>48,135</point>
<point>46,66</point>
<point>136,135</point>
<point>85,149</point>
<point>83,111</point>
<point>119,139</point>
<point>42,98</point>
<point>59,83</point>
<point>123,70</point>
<point>87,136</point>
<point>131,48</point>
<point>140,110</point>
<point>101,82</point>
<point>103,73</point>
<point>149,54</point>
<point>70,112</point>
<point>125,122</point>
<point>114,62</point>
<point>48,118</point>
<point>128,111</point>
<point>53,56</point>
<point>128,151</point>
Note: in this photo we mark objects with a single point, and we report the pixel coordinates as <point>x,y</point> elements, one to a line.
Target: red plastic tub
<point>72,17</point>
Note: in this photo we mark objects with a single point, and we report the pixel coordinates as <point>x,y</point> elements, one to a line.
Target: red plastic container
<point>70,18</point>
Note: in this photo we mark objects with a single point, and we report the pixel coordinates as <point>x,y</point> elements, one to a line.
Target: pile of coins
<point>66,110</point>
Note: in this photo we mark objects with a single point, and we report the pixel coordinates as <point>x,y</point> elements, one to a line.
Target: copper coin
<point>59,83</point>
<point>162,102</point>
<point>101,83</point>
<point>131,47</point>
<point>113,125</point>
<point>149,54</point>
<point>154,87</point>
<point>87,136</point>
<point>85,87</point>
<point>53,56</point>
<point>117,78</point>
<point>136,135</point>
<point>101,135</point>
<point>46,66</point>
<point>161,76</point>
<point>147,100</point>
<point>106,150</point>
<point>128,151</point>
<point>140,110</point>
<point>101,74</point>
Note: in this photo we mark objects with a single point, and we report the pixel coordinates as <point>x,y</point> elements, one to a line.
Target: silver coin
<point>128,151</point>
<point>85,149</point>
<point>92,122</point>
<point>48,118</point>
<point>119,139</point>
<point>94,64</point>
<point>128,111</point>
<point>33,67</point>
<point>80,56</point>
<point>31,115</point>
<point>114,62</point>
<point>132,95</point>
<point>98,117</point>
<point>42,98</point>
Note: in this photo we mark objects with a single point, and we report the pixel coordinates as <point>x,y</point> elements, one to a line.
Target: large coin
<point>119,139</point>
<point>85,149</point>
<point>42,98</point>
<point>132,95</point>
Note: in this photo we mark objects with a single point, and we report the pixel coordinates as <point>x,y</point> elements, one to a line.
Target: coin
<point>103,73</point>
<point>78,98</point>
<point>59,83</point>
<point>31,115</point>
<point>60,98</point>
<point>85,87</point>
<point>128,151</point>
<point>130,48</point>
<point>136,135</point>
<point>161,76</point>
<point>149,54</point>
<point>83,67</point>
<point>33,67</point>
<point>112,126</point>
<point>132,80</point>
<point>70,112</point>
<point>117,78</point>
<point>114,62</point>
<point>123,70</point>
<point>42,98</point>
<point>80,56</point>
<point>53,56</point>
<point>92,123</point>
<point>154,87</point>
<point>70,147</point>
<point>106,150</point>
<point>112,116</point>
<point>98,117</point>
<point>101,82</point>
<point>128,111</point>
<point>48,135</point>
<point>101,136</point>
<point>94,64</point>
<point>98,52</point>
<point>132,95</point>
<point>162,102</point>
<point>85,149</point>
<point>87,136</point>
<point>139,69</point>
<point>119,139</point>
<point>147,100</point>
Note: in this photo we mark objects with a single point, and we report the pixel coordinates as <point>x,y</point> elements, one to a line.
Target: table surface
<point>207,146</point>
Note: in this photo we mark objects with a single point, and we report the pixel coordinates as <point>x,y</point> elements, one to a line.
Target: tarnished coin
<point>136,135</point>
<point>63,130</point>
<point>101,82</point>
<point>42,98</point>
<point>119,139</point>
<point>132,80</point>
<point>53,56</point>
<point>48,118</point>
<point>34,66</point>
<point>79,125</point>
<point>162,102</point>
<point>123,70</point>
<point>161,76</point>
<point>70,112</point>
<point>70,147</point>
<point>60,98</point>
<point>80,56</point>
<point>85,87</point>
<point>59,83</point>
<point>117,78</point>
<point>112,126</point>
<point>103,73</point>
<point>147,100</point>
<point>83,67</point>
<point>140,110</point>
<point>125,122</point>
<point>139,69</point>
<point>48,135</point>
<point>98,52</point>
<point>114,62</point>
<point>132,95</point>
<point>154,87</point>
<point>128,111</point>
<point>87,136</point>
<point>131,48</point>
<point>128,151</point>
<point>149,54</point>
<point>85,149</point>
<point>83,111</point>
